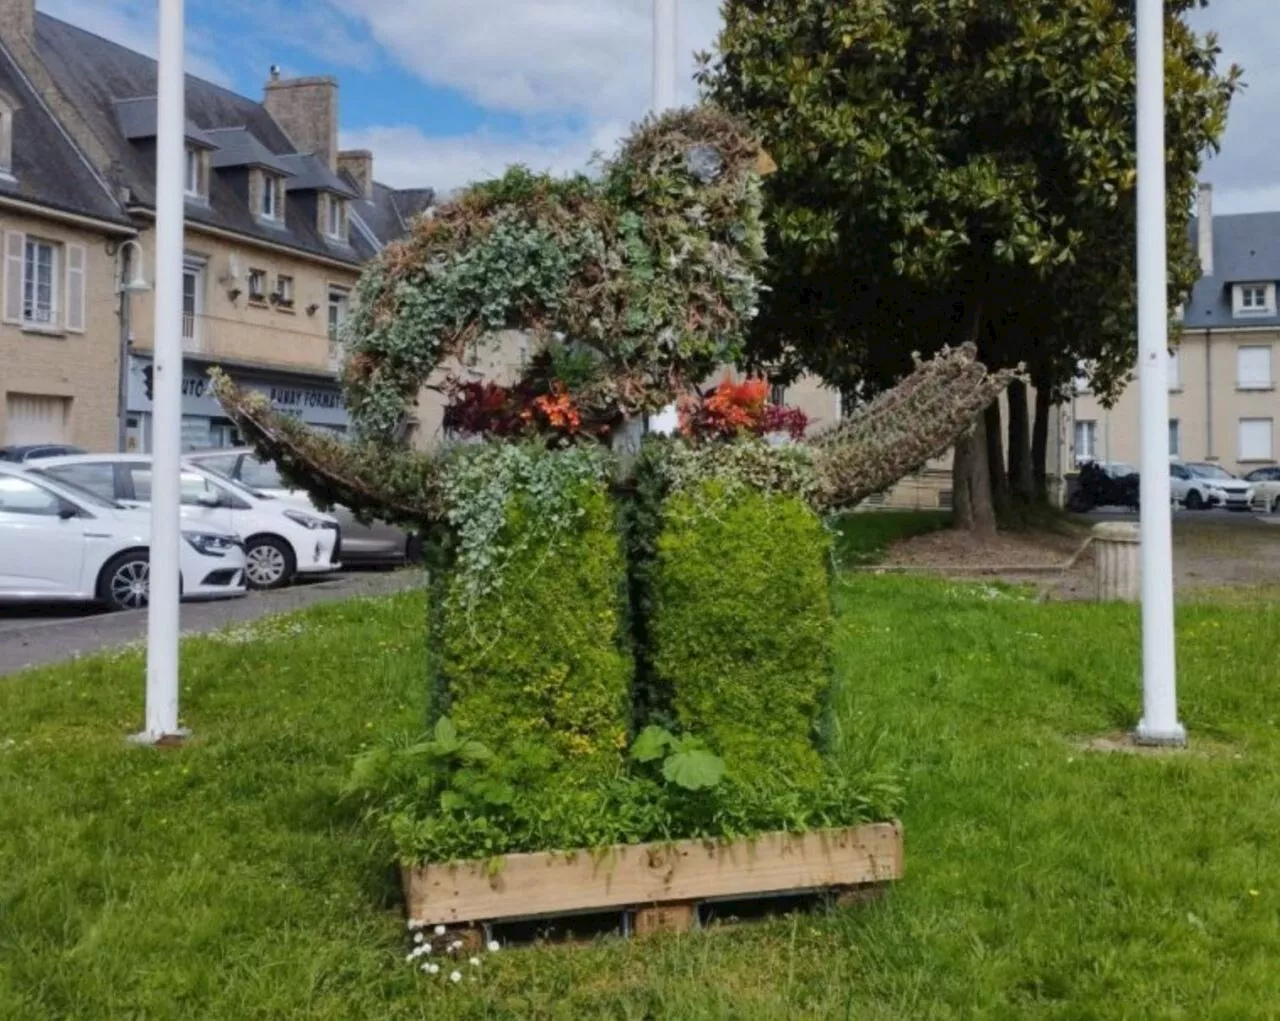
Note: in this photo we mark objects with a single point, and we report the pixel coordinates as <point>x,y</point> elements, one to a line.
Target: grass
<point>862,539</point>
<point>222,881</point>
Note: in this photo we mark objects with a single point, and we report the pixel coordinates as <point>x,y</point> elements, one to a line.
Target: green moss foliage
<point>741,626</point>
<point>537,667</point>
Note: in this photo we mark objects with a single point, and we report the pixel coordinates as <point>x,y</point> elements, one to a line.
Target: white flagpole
<point>1159,724</point>
<point>166,529</point>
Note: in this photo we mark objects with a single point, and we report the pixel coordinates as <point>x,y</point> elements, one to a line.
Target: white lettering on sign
<point>296,397</point>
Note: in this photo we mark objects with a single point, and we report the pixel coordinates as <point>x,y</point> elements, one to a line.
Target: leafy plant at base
<point>686,761</point>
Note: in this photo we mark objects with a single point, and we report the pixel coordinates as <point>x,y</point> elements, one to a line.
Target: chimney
<point>358,164</point>
<point>1204,227</point>
<point>17,18</point>
<point>307,110</point>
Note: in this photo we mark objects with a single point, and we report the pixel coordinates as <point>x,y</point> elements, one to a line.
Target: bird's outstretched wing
<point>896,434</point>
<point>373,480</point>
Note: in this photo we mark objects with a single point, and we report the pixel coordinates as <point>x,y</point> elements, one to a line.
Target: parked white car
<point>1199,486</point>
<point>60,542</point>
<point>1266,489</point>
<point>280,542</point>
<point>376,543</point>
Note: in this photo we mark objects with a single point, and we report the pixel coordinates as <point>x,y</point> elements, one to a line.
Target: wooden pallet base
<point>662,883</point>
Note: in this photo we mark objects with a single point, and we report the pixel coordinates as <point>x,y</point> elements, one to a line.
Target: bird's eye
<point>704,163</point>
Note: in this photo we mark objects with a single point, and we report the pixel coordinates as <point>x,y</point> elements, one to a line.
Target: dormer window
<point>194,182</point>
<point>335,225</point>
<point>7,109</point>
<point>1258,299</point>
<point>272,203</point>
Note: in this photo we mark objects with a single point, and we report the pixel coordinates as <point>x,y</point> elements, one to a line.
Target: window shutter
<point>15,249</point>
<point>1255,439</point>
<point>1253,368</point>
<point>77,258</point>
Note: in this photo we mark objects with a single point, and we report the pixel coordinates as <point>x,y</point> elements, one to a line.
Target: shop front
<point>316,400</point>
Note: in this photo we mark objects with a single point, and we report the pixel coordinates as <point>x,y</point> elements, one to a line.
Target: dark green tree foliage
<point>741,627</point>
<point>539,667</point>
<point>958,169</point>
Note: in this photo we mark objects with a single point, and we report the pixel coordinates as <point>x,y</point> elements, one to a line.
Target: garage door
<point>34,418</point>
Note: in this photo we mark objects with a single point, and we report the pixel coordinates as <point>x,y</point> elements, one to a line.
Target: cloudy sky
<point>447,91</point>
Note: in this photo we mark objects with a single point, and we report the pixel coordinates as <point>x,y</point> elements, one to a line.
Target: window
<point>260,475</point>
<point>1179,471</point>
<point>777,394</point>
<point>193,487</point>
<point>18,496</point>
<point>270,209</point>
<point>1253,367</point>
<point>40,283</point>
<point>339,305</point>
<point>1086,441</point>
<point>335,217</point>
<point>1175,438</point>
<point>97,478</point>
<point>284,291</point>
<point>223,464</point>
<point>1175,371</point>
<point>1254,300</point>
<point>257,285</point>
<point>1255,439</point>
<point>192,301</point>
<point>193,183</point>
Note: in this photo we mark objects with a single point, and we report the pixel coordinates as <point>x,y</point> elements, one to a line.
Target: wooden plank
<point>677,916</point>
<point>529,885</point>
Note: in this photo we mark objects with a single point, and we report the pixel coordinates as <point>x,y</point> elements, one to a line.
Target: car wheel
<point>125,583</point>
<point>1194,500</point>
<point>1275,505</point>
<point>268,562</point>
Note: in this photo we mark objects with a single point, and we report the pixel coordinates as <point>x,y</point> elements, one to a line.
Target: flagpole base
<point>1175,737</point>
<point>149,740</point>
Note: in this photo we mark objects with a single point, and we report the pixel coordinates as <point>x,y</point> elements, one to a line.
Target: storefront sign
<point>315,404</point>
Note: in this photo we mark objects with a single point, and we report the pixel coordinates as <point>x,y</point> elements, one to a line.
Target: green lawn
<point>864,538</point>
<point>222,881</point>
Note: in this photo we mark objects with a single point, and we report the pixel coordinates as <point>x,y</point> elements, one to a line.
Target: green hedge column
<point>539,665</point>
<point>742,626</point>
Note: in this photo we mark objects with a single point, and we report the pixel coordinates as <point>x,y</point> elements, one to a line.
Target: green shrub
<point>537,664</point>
<point>741,626</point>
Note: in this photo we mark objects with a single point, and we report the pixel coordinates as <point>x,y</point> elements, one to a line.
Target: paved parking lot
<point>34,636</point>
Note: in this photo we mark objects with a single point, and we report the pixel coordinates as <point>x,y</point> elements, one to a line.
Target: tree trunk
<point>971,483</point>
<point>1022,481</point>
<point>1040,446</point>
<point>999,481</point>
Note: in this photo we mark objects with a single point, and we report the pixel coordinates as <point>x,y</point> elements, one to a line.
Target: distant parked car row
<point>76,526</point>
<point>1195,485</point>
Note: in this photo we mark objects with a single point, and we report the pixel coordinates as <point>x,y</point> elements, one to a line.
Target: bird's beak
<point>765,164</point>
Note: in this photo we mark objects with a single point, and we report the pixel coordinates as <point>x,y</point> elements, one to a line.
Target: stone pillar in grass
<point>1117,549</point>
<point>742,626</point>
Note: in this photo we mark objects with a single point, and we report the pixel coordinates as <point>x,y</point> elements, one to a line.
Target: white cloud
<point>588,57</point>
<point>405,157</point>
<point>1245,174</point>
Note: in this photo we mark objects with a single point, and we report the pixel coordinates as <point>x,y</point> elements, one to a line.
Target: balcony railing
<point>276,344</point>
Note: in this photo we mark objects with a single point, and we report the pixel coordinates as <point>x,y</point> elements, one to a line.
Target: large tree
<point>960,170</point>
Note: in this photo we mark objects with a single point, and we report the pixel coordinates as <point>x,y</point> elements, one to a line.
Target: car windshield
<point>79,492</point>
<point>1209,471</point>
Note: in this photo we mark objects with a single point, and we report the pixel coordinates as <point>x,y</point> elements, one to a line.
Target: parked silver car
<point>375,544</point>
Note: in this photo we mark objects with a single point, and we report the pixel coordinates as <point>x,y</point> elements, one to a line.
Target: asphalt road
<point>35,635</point>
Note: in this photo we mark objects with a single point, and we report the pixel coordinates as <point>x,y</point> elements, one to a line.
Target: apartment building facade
<point>279,223</point>
<point>1223,403</point>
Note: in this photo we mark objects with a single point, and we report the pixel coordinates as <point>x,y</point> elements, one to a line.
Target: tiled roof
<point>1246,249</point>
<point>137,119</point>
<point>310,174</point>
<point>97,76</point>
<point>47,169</point>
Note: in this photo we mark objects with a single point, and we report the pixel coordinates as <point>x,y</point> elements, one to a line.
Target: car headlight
<point>307,521</point>
<point>210,544</point>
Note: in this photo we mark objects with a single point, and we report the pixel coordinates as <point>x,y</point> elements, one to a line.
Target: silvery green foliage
<point>478,484</point>
<point>746,465</point>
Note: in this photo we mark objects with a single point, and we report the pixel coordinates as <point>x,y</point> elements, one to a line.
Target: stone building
<point>1223,405</point>
<point>279,222</point>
